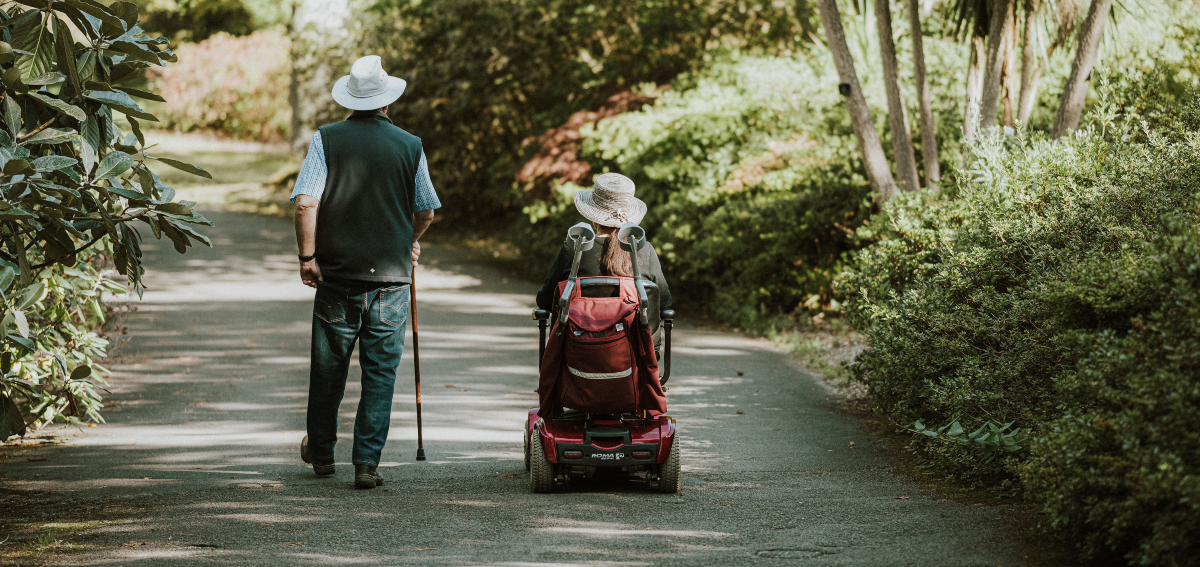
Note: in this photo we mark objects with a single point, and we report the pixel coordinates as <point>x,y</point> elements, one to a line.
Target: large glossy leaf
<point>141,94</point>
<point>61,106</point>
<point>21,322</point>
<point>53,163</point>
<point>110,25</point>
<point>37,42</point>
<point>128,194</point>
<point>121,102</point>
<point>183,166</point>
<point>31,295</point>
<point>52,136</point>
<point>6,53</point>
<point>113,164</point>
<point>64,49</point>
<point>11,421</point>
<point>12,115</point>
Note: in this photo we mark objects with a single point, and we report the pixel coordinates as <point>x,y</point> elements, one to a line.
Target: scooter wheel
<point>541,470</point>
<point>669,473</point>
<point>526,437</point>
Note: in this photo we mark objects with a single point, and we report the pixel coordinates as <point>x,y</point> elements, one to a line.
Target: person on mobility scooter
<point>602,406</point>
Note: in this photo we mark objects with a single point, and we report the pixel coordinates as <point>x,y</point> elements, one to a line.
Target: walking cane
<point>412,290</point>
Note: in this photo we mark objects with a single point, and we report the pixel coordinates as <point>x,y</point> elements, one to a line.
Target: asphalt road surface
<point>199,461</point>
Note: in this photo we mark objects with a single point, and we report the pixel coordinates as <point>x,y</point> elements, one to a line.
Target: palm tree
<point>1001,17</point>
<point>906,162</point>
<point>860,116</point>
<point>1075,92</point>
<point>973,14</point>
<point>1066,14</point>
<point>929,149</point>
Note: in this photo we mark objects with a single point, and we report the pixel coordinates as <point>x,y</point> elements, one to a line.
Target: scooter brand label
<point>608,456</point>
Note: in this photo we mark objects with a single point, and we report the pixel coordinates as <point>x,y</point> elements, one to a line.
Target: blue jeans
<point>373,314</point>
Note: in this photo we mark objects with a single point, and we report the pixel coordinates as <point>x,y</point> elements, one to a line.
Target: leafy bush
<point>1119,473</point>
<point>233,85</point>
<point>484,76</point>
<point>753,189</point>
<point>1039,292</point>
<point>72,184</point>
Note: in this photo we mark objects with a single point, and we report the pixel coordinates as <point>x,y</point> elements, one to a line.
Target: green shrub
<point>73,186</point>
<point>485,76</point>
<point>1039,293</point>
<point>1119,473</point>
<point>237,86</point>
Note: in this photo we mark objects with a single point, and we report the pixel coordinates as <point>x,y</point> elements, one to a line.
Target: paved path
<point>199,461</point>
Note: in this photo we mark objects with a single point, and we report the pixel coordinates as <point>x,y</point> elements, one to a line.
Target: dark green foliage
<point>197,20</point>
<point>484,75</point>
<point>753,189</point>
<point>1119,473</point>
<point>72,186</point>
<point>1042,292</point>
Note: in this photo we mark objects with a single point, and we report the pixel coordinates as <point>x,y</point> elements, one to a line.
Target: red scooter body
<point>575,444</point>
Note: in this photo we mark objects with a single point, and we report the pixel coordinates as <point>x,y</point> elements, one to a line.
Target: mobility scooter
<point>602,411</point>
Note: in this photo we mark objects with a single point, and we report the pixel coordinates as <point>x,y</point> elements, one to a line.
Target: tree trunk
<point>929,149</point>
<point>978,47</point>
<point>321,51</point>
<point>994,65</point>
<point>1075,91</point>
<point>860,116</point>
<point>974,86</point>
<point>1010,65</point>
<point>902,148</point>
<point>1031,68</point>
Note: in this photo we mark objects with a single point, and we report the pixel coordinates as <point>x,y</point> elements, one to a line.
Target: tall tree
<point>860,116</point>
<point>975,14</point>
<point>902,148</point>
<point>929,149</point>
<point>1008,79</point>
<point>1066,14</point>
<point>1001,15</point>
<point>1091,33</point>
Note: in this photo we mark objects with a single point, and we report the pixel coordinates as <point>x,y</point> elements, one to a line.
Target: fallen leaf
<point>817,472</point>
<point>778,429</point>
<point>184,534</point>
<point>145,478</point>
<point>740,372</point>
<point>450,386</point>
<point>741,411</point>
<point>901,498</point>
<point>509,475</point>
<point>291,544</point>
<point>267,525</point>
<point>40,459</point>
<point>419,548</point>
<point>730,504</point>
<point>134,544</point>
<point>851,443</point>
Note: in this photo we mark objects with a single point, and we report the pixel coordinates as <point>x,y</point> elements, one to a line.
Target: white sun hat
<point>610,202</point>
<point>368,86</point>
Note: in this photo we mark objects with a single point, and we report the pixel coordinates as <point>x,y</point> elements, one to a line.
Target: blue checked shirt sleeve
<point>427,198</point>
<point>313,173</point>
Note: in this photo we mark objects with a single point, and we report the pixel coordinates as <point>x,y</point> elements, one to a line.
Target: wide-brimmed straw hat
<point>610,202</point>
<point>368,86</point>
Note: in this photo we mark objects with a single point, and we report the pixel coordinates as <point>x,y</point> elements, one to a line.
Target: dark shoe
<point>366,477</point>
<point>322,468</point>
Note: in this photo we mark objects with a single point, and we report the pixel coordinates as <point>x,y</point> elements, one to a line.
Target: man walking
<point>363,198</point>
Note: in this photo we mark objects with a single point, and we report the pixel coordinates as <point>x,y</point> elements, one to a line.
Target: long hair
<point>614,262</point>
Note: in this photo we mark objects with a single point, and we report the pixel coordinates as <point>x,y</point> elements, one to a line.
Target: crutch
<point>583,238</point>
<point>412,292</point>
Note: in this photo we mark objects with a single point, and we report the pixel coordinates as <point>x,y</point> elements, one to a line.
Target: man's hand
<point>310,273</point>
<point>416,253</point>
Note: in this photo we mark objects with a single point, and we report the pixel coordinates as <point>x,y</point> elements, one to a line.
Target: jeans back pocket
<point>393,305</point>
<point>330,303</point>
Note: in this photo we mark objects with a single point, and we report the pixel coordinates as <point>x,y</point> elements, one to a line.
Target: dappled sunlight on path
<point>199,461</point>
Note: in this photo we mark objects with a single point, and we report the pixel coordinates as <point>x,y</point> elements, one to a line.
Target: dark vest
<point>364,223</point>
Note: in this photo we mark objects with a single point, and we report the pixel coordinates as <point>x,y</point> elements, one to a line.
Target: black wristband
<point>307,258</point>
